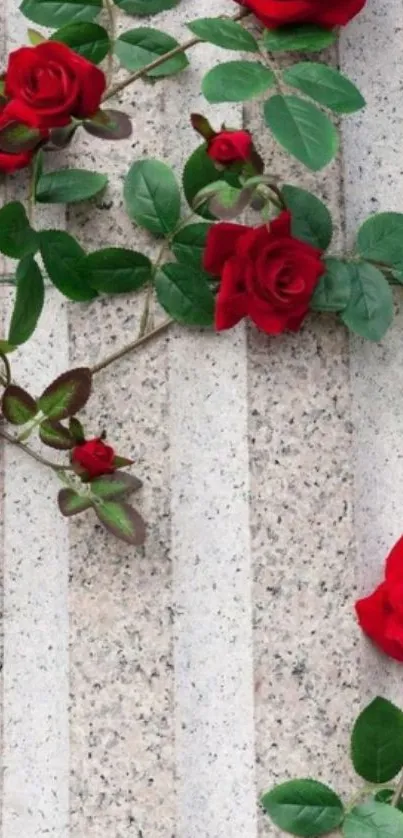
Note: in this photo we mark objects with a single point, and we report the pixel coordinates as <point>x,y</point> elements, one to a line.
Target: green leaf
<point>185,294</point>
<point>17,238</point>
<point>17,406</point>
<point>306,38</point>
<point>35,37</point>
<point>370,310</point>
<point>334,288</point>
<point>377,742</point>
<point>64,261</point>
<point>67,394</point>
<point>87,39</point>
<point>29,301</point>
<point>109,125</point>
<point>122,521</point>
<point>76,430</point>
<point>223,33</point>
<point>117,271</point>
<point>325,85</point>
<point>68,186</point>
<point>380,239</point>
<point>70,502</point>
<point>373,820</point>
<point>56,435</point>
<point>311,219</point>
<point>303,130</point>
<point>115,486</point>
<point>385,796</point>
<point>152,196</point>
<point>55,13</point>
<point>200,171</point>
<point>139,47</point>
<point>237,81</point>
<point>304,807</point>
<point>16,137</point>
<point>188,244</point>
<point>145,7</point>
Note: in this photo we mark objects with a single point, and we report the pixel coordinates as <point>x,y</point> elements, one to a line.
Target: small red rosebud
<point>228,147</point>
<point>94,457</point>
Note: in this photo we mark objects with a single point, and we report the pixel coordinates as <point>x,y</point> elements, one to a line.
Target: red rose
<point>266,274</point>
<point>328,13</point>
<point>380,615</point>
<point>95,457</point>
<point>55,82</point>
<point>17,112</point>
<point>230,147</point>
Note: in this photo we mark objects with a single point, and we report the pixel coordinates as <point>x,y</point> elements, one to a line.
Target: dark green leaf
<point>16,137</point>
<point>76,430</point>
<point>152,196</point>
<point>64,261</point>
<point>87,39</point>
<point>56,435</point>
<point>115,486</point>
<point>304,807</point>
<point>377,742</point>
<point>68,186</point>
<point>145,7</point>
<point>199,171</point>
<point>109,125</point>
<point>373,820</point>
<point>117,271</point>
<point>122,521</point>
<point>70,502</point>
<point>311,219</point>
<point>370,310</point>
<point>139,47</point>
<point>303,130</point>
<point>224,33</point>
<point>60,138</point>
<point>237,81</point>
<point>185,294</point>
<point>380,239</point>
<point>18,406</point>
<point>298,38</point>
<point>29,301</point>
<point>55,13</point>
<point>67,394</point>
<point>325,85</point>
<point>17,238</point>
<point>189,243</point>
<point>334,288</point>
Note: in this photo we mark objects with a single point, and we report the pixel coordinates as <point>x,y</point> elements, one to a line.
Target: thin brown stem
<point>398,793</point>
<point>7,368</point>
<point>130,347</point>
<point>138,74</point>
<point>32,453</point>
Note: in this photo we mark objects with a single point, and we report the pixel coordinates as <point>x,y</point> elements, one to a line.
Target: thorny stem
<point>161,59</point>
<point>120,353</point>
<point>32,453</point>
<point>398,793</point>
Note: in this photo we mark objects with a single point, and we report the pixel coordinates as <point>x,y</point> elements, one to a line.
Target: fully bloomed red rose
<point>266,274</point>
<point>17,112</point>
<point>94,457</point>
<point>55,82</point>
<point>230,147</point>
<point>380,615</point>
<point>326,13</point>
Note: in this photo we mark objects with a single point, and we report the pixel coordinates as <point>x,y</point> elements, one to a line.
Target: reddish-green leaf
<point>76,430</point>
<point>16,137</point>
<point>122,520</point>
<point>18,406</point>
<point>55,435</point>
<point>109,125</point>
<point>115,485</point>
<point>67,394</point>
<point>122,462</point>
<point>70,502</point>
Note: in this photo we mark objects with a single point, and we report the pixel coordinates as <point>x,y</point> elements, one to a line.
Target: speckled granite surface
<point>225,655</point>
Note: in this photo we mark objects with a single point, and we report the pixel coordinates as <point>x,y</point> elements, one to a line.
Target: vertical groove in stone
<point>372,54</point>
<point>210,535</point>
<point>35,693</point>
<point>301,525</point>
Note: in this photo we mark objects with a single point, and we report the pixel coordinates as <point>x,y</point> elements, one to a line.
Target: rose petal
<point>221,242</point>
